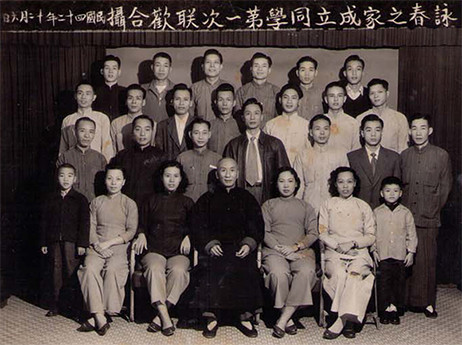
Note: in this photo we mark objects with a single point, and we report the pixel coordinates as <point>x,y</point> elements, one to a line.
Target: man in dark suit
<point>171,134</point>
<point>258,155</point>
<point>373,162</point>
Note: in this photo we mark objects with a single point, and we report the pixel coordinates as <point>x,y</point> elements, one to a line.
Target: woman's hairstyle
<point>294,174</point>
<point>158,181</point>
<point>333,180</point>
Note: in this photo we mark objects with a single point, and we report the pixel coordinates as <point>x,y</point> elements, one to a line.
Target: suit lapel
<point>366,165</point>
<point>381,165</point>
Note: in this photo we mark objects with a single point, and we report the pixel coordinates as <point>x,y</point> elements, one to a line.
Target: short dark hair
<point>199,121</point>
<point>294,174</point>
<point>84,82</point>
<point>85,118</point>
<point>291,86</point>
<point>162,55</point>
<point>333,180</point>
<point>158,183</point>
<point>391,180</point>
<point>420,116</point>
<point>66,165</point>
<point>142,117</point>
<point>112,166</point>
<point>222,88</point>
<point>353,58</point>
<point>137,87</point>
<point>112,58</point>
<point>370,118</point>
<point>260,55</point>
<point>307,59</point>
<point>181,87</point>
<point>336,83</point>
<point>377,81</point>
<point>252,101</point>
<point>318,117</point>
<point>212,52</point>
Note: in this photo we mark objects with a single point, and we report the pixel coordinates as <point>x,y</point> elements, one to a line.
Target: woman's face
<point>171,178</point>
<point>345,184</point>
<point>286,184</point>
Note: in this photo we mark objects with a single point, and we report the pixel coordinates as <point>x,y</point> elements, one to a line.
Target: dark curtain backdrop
<point>39,71</point>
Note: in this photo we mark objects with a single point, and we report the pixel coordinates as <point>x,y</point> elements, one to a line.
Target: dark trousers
<point>391,284</point>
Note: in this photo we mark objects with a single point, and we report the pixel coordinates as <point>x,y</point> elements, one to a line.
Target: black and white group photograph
<point>231,172</point>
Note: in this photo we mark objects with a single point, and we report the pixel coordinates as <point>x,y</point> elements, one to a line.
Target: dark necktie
<point>251,165</point>
<point>373,162</point>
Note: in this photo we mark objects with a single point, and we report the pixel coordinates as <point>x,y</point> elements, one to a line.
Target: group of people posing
<point>218,171</point>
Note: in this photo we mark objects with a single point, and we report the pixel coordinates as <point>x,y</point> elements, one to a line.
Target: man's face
<point>372,133</point>
<point>142,132</point>
<point>320,132</point>
<point>181,102</point>
<point>85,96</point>
<point>260,69</point>
<point>354,72</point>
<point>212,65</point>
<point>135,101</point>
<point>66,178</point>
<point>85,133</point>
<point>335,97</point>
<point>227,173</point>
<point>306,73</point>
<point>111,71</point>
<point>200,135</point>
<point>161,68</point>
<point>225,102</point>
<point>252,116</point>
<point>289,101</point>
<point>420,131</point>
<point>378,95</point>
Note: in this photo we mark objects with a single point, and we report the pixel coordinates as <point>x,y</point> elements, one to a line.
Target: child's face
<point>307,72</point>
<point>252,116</point>
<point>135,101</point>
<point>320,131</point>
<point>142,132</point>
<point>212,65</point>
<point>66,178</point>
<point>260,69</point>
<point>181,102</point>
<point>85,133</point>
<point>354,72</point>
<point>372,133</point>
<point>345,184</point>
<point>420,131</point>
<point>85,96</point>
<point>286,184</point>
<point>391,193</point>
<point>161,68</point>
<point>225,102</point>
<point>171,178</point>
<point>290,101</point>
<point>335,97</point>
<point>200,135</point>
<point>111,71</point>
<point>114,181</point>
<point>378,95</point>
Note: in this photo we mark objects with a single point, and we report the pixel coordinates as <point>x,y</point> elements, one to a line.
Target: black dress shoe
<point>168,331</point>
<point>291,330</point>
<point>385,318</point>
<point>51,313</point>
<point>431,314</point>
<point>103,330</point>
<point>329,335</point>
<point>154,327</point>
<point>349,330</point>
<point>278,332</point>
<point>251,333</point>
<point>86,327</point>
<point>394,318</point>
<point>210,333</point>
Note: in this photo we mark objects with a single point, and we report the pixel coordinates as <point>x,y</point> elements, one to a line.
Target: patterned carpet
<point>24,323</point>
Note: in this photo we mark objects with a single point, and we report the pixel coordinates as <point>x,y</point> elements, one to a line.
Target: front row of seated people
<point>226,225</point>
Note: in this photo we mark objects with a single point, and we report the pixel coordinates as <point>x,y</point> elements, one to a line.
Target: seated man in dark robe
<point>227,226</point>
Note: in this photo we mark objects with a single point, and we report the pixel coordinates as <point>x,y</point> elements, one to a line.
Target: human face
<point>111,71</point>
<point>227,173</point>
<point>378,95</point>
<point>135,101</point>
<point>320,131</point>
<point>142,132</point>
<point>85,96</point>
<point>212,65</point>
<point>252,116</point>
<point>335,98</point>
<point>200,135</point>
<point>260,69</point>
<point>290,101</point>
<point>420,131</point>
<point>345,184</point>
<point>114,181</point>
<point>225,102</point>
<point>372,133</point>
<point>354,72</point>
<point>161,68</point>
<point>66,178</point>
<point>171,179</point>
<point>286,184</point>
<point>181,102</point>
<point>391,193</point>
<point>307,72</point>
<point>85,133</point>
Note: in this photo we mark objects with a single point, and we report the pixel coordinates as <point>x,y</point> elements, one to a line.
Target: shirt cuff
<point>210,245</point>
<point>250,242</point>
